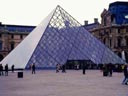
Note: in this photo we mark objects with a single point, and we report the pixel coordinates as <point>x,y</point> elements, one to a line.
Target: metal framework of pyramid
<point>57,39</point>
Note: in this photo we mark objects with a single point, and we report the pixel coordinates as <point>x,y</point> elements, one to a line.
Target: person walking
<point>6,70</point>
<point>125,80</point>
<point>33,69</point>
<point>57,68</point>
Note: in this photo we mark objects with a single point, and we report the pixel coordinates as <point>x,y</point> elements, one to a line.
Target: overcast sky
<point>32,12</point>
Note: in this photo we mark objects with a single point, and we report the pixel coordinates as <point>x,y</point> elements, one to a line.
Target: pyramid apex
<point>58,6</point>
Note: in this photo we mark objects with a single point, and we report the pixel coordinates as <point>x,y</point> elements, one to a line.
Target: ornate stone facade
<point>11,36</point>
<point>112,34</point>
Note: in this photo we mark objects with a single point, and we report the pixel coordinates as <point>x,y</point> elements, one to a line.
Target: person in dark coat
<point>33,69</point>
<point>12,68</point>
<point>105,70</point>
<point>6,70</point>
<point>84,68</point>
<point>110,69</point>
<point>57,68</point>
<point>2,73</point>
<point>1,70</point>
<point>125,80</point>
<point>63,68</point>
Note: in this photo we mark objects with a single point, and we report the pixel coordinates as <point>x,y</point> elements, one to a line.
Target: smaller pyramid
<point>56,40</point>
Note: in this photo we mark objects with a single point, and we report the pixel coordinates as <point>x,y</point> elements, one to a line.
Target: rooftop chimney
<point>96,20</point>
<point>85,22</point>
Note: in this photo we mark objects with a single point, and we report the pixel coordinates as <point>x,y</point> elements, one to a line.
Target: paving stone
<point>72,83</point>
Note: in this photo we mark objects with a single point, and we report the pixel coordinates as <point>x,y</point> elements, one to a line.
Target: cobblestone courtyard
<point>72,83</point>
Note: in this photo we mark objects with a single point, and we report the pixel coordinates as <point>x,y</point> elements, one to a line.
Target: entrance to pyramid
<point>78,64</point>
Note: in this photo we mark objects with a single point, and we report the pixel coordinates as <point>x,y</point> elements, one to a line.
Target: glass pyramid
<point>57,39</point>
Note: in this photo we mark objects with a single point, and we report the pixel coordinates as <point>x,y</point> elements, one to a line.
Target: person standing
<point>12,68</point>
<point>33,69</point>
<point>57,68</point>
<point>0,69</point>
<point>6,70</point>
<point>105,70</point>
<point>84,69</point>
<point>63,68</point>
<point>77,67</point>
<point>110,69</point>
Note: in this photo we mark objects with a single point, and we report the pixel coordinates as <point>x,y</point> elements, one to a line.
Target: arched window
<point>104,21</point>
<point>12,45</point>
<point>126,56</point>
<point>1,57</point>
<point>126,39</point>
<point>113,18</point>
<point>1,45</point>
<point>119,30</point>
<point>119,39</point>
<point>110,42</point>
<point>104,40</point>
<point>119,54</point>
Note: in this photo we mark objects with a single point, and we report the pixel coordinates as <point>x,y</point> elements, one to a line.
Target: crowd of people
<point>106,68</point>
<point>61,67</point>
<point>4,70</point>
